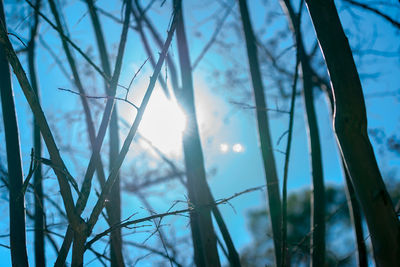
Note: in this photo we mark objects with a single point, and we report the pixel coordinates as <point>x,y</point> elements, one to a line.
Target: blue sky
<point>221,122</point>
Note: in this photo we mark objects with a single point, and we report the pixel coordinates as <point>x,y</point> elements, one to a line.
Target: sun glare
<point>163,123</point>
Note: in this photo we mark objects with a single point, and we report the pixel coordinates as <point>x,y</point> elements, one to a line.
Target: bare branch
<point>169,213</point>
<point>100,97</point>
<point>66,38</point>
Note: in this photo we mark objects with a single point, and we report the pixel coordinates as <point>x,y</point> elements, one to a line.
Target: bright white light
<point>237,148</point>
<point>163,123</point>
<point>224,148</point>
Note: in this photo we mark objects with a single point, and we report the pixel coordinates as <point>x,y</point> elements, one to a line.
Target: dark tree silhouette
<point>350,125</point>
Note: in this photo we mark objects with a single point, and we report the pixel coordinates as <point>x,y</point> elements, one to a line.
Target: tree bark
<point>17,200</point>
<point>204,239</point>
<point>39,216</point>
<point>233,256</point>
<point>317,245</point>
<point>355,217</point>
<point>318,189</point>
<point>274,200</point>
<point>350,124</point>
<point>114,204</point>
<point>354,209</point>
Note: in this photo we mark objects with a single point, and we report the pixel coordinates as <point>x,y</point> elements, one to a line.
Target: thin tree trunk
<point>39,216</point>
<point>274,200</point>
<point>352,201</point>
<point>17,201</point>
<point>318,189</point>
<point>355,216</point>
<point>233,256</point>
<point>350,123</point>
<point>317,245</point>
<point>204,239</point>
<point>114,204</point>
<point>92,137</point>
<point>355,213</point>
<point>78,249</point>
<point>132,131</point>
<point>85,231</point>
<point>285,260</point>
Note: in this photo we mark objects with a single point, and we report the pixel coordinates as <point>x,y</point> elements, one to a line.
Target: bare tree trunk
<point>114,204</point>
<point>17,201</point>
<point>132,131</point>
<point>318,190</point>
<point>84,229</point>
<point>233,256</point>
<point>274,200</point>
<point>355,213</point>
<point>355,216</point>
<point>39,216</point>
<point>350,123</point>
<point>204,239</point>
<point>115,213</point>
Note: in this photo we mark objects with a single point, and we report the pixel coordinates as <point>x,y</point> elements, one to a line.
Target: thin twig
<point>134,76</point>
<point>100,97</point>
<point>32,169</point>
<point>213,37</point>
<point>19,39</point>
<point>247,106</point>
<point>66,38</point>
<point>169,213</point>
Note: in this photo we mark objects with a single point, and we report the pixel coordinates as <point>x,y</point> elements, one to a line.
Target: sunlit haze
<point>163,123</point>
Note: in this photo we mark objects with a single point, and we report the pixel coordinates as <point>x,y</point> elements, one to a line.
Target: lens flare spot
<point>224,148</point>
<point>237,148</point>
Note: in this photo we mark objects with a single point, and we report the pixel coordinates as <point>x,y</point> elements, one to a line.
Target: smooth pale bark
<point>274,200</point>
<point>317,246</point>
<point>17,201</point>
<point>114,204</point>
<point>204,239</point>
<point>39,216</point>
<point>350,124</point>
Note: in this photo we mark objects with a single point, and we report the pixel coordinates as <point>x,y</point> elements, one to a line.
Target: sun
<point>163,123</point>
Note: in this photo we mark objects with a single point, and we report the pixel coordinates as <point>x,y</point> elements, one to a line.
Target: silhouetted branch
<point>375,11</point>
<point>170,213</point>
<point>67,39</point>
<point>100,97</point>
